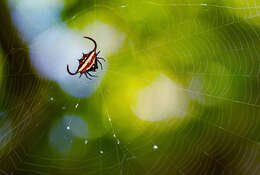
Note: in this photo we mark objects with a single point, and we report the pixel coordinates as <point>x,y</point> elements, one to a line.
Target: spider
<point>88,62</point>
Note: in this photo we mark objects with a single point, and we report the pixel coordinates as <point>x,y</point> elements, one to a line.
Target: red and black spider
<point>88,62</point>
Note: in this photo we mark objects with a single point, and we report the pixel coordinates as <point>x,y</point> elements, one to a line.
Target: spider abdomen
<point>87,62</point>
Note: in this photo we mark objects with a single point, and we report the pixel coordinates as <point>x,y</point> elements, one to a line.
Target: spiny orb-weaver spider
<point>88,62</point>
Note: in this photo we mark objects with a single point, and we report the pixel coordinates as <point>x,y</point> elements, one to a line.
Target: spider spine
<point>70,72</point>
<point>95,47</point>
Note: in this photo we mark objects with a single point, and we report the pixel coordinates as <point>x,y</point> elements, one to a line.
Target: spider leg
<point>100,64</point>
<point>92,68</point>
<point>87,76</point>
<point>91,75</point>
<point>95,66</point>
<point>100,58</point>
<point>80,75</point>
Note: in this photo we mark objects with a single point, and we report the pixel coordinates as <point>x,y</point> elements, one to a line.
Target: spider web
<point>220,135</point>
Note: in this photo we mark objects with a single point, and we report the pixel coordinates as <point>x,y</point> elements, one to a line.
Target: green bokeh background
<point>209,48</point>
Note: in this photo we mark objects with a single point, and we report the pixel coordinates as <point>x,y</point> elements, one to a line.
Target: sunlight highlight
<point>162,99</point>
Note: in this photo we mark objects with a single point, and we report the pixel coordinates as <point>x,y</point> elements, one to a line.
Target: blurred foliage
<point>1,66</point>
